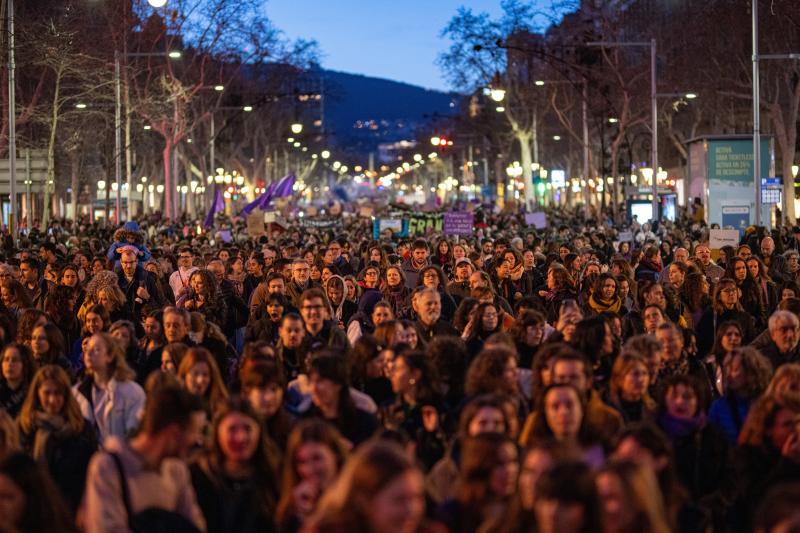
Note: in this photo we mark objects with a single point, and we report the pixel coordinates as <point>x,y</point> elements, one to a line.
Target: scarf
<point>677,428</point>
<point>599,305</point>
<point>46,426</point>
<point>337,311</point>
<point>674,368</point>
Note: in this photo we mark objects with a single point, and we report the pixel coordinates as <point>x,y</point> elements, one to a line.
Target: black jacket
<point>427,333</point>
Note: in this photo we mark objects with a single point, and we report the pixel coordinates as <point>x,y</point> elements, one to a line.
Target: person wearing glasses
<point>784,333</point>
<point>321,331</point>
<point>179,280</point>
<point>301,282</point>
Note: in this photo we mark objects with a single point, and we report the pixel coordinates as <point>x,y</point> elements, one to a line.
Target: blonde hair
<point>624,364</point>
<point>118,367</point>
<point>788,374</point>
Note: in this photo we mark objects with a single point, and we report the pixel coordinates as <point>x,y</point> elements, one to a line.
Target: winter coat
<point>122,411</point>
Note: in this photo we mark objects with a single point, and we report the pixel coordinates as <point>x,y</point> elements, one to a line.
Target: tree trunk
<point>51,152</point>
<point>524,138</point>
<point>74,165</point>
<point>168,187</point>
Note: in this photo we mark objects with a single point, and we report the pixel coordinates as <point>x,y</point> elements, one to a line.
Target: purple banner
<point>458,223</point>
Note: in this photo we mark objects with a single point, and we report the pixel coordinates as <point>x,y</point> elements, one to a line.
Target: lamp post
<point>12,125</point>
<point>757,112</point>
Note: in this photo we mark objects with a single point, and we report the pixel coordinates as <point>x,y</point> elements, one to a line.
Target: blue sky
<point>392,39</point>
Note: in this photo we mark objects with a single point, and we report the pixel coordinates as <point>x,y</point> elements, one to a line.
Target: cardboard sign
<point>458,223</point>
<point>723,237</point>
<point>225,235</point>
<point>537,220</point>
<point>255,224</point>
<point>625,236</point>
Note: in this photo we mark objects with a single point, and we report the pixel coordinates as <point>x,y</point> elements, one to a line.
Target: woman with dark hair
<point>561,415</point>
<point>14,296</point>
<point>236,480</point>
<point>768,451</point>
<point>495,371</point>
<point>486,413</point>
<point>752,297</point>
<point>28,320</point>
<point>788,289</point>
<point>760,274</point>
<point>528,332</point>
<point>728,338</point>
<point>379,490</point>
<point>559,289</point>
<point>396,293</point>
<point>566,500</point>
<point>746,374</point>
<point>416,409</point>
<point>200,375</point>
<point>605,296</point>
<point>487,481</point>
<point>695,297</point>
<point>443,257</point>
<point>433,278</point>
<point>16,373</point>
<point>594,339</point>
<point>266,327</point>
<point>54,432</point>
<point>519,281</point>
<point>484,322</point>
<point>315,453</point>
<point>464,313</point>
<point>331,400</point>
<point>572,263</point>
<point>725,306</point>
<point>702,454</point>
<point>263,384</point>
<point>204,298</point>
<point>630,498</point>
<point>368,369</point>
<point>70,276</point>
<point>31,500</point>
<point>628,388</point>
<point>47,347</point>
<point>60,306</point>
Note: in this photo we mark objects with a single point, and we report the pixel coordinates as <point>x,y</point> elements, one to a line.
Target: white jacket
<point>122,412</point>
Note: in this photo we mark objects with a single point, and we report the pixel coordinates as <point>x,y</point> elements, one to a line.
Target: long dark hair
<point>332,366</point>
<point>44,509</point>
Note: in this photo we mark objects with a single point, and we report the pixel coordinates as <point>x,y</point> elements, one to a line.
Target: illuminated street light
<point>157,3</point>
<point>247,108</point>
<point>219,88</point>
<point>325,154</point>
<point>175,54</point>
<point>147,127</point>
<point>539,83</point>
<point>297,128</point>
<point>691,96</point>
<point>556,137</point>
<point>101,185</point>
<point>613,120</point>
<point>496,91</point>
<point>435,141</point>
<point>160,188</point>
<point>80,106</point>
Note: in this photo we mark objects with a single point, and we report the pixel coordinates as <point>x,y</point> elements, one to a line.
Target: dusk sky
<point>398,40</point>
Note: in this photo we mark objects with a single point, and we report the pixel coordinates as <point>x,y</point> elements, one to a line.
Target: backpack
<point>152,519</point>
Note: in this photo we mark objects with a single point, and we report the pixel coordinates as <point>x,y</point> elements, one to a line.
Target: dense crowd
<point>319,379</point>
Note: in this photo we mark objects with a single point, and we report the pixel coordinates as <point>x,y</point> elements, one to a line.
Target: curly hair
<point>756,368</point>
<point>209,285</point>
<point>761,418</point>
<point>485,374</point>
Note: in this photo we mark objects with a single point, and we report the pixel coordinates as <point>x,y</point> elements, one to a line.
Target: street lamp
<point>297,128</point>
<point>157,3</point>
<point>435,141</point>
<point>325,154</point>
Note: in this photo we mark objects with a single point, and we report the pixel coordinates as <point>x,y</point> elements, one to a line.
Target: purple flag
<point>285,186</point>
<point>217,206</point>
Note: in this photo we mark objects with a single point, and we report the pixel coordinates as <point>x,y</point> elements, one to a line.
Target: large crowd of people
<point>161,378</point>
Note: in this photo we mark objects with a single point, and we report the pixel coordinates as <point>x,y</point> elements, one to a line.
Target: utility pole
<point>117,137</point>
<point>757,116</point>
<point>12,123</point>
